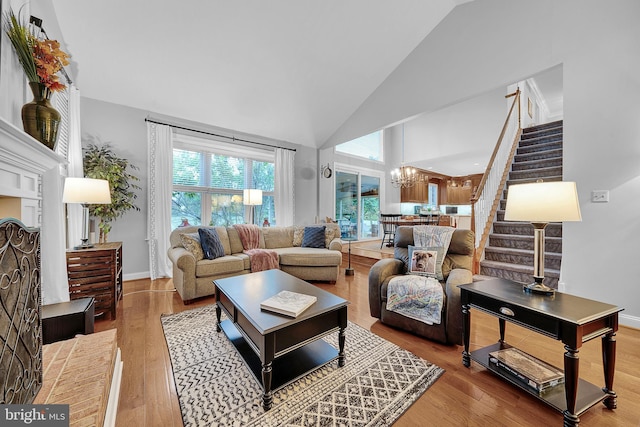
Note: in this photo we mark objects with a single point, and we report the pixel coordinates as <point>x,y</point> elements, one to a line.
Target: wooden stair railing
<point>486,199</point>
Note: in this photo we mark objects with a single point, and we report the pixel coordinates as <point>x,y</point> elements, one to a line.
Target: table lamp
<point>541,203</point>
<point>251,197</point>
<point>87,191</point>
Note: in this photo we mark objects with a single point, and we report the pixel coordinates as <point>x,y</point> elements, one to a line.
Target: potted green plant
<point>101,162</point>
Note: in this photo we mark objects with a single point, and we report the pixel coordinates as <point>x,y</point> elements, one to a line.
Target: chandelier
<point>404,176</point>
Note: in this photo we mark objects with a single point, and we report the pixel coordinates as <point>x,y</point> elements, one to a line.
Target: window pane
<point>227,172</point>
<point>263,175</point>
<point>368,146</point>
<point>226,209</point>
<point>186,167</point>
<point>265,211</point>
<point>186,208</point>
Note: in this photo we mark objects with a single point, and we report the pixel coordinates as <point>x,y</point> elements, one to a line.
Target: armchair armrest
<point>381,271</point>
<point>458,276</point>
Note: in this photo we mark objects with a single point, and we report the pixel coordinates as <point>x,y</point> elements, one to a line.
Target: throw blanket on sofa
<point>260,259</point>
<point>417,297</point>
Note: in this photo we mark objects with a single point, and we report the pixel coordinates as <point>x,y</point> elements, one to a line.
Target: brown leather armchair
<point>457,270</point>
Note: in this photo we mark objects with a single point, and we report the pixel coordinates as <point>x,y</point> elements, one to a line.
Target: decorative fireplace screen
<point>20,325</point>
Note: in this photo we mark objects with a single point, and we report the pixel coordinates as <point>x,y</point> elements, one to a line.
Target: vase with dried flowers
<point>41,60</point>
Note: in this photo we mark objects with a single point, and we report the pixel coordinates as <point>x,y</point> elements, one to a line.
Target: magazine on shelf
<point>288,303</point>
<point>528,370</point>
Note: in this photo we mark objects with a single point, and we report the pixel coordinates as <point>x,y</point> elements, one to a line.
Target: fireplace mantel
<point>19,149</point>
<point>31,176</point>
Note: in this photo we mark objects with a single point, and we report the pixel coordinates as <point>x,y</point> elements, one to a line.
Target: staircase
<point>509,253</point>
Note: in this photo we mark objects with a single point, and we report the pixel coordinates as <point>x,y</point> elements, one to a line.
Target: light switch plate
<point>600,196</point>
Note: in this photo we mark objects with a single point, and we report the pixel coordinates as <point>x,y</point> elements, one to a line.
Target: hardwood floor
<point>461,397</point>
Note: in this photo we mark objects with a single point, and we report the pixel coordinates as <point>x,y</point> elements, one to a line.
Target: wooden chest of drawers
<point>97,272</point>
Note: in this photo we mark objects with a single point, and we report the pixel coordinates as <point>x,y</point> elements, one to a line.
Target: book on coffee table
<point>528,370</point>
<point>288,303</point>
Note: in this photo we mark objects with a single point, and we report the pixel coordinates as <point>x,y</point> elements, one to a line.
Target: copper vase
<point>39,118</point>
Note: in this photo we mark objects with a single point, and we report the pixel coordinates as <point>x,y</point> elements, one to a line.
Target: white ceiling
<point>292,70</point>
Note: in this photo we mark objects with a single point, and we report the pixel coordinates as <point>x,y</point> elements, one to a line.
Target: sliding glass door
<point>357,201</point>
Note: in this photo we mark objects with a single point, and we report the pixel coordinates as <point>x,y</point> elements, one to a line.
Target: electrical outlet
<point>600,196</point>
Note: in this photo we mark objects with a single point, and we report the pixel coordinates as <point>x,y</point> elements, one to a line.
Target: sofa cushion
<point>191,242</point>
<point>223,265</point>
<point>176,240</point>
<point>277,237</point>
<point>236,244</point>
<point>298,235</point>
<point>314,237</point>
<point>210,242</point>
<point>332,231</point>
<point>312,257</point>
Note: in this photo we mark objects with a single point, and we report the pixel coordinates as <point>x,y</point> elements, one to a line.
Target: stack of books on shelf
<point>524,369</point>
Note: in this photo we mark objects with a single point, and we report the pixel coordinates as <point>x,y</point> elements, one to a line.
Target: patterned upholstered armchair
<point>457,270</point>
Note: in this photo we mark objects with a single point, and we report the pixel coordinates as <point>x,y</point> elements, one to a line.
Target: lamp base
<point>538,288</point>
<point>84,245</point>
<point>349,271</point>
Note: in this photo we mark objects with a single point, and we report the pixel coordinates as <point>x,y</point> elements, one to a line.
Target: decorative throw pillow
<point>211,244</point>
<point>329,235</point>
<point>314,237</point>
<point>191,242</point>
<point>426,261</point>
<point>298,234</point>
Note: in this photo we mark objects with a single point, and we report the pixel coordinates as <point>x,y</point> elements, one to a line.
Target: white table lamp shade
<point>86,190</point>
<point>251,196</point>
<point>543,202</point>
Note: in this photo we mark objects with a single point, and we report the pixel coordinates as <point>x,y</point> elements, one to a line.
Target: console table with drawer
<point>97,272</point>
<point>567,318</point>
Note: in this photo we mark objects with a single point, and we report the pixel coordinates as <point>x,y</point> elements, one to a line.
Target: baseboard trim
<point>630,321</point>
<point>136,276</point>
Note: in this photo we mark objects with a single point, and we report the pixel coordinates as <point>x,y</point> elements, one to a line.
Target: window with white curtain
<point>209,177</point>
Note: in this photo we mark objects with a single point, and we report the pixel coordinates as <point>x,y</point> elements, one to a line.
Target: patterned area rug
<point>215,387</point>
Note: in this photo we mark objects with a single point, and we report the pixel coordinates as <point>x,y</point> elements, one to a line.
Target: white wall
<point>459,135</point>
<point>485,44</point>
<point>125,131</point>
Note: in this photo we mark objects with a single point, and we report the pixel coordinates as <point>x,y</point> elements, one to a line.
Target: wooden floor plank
<point>461,397</point>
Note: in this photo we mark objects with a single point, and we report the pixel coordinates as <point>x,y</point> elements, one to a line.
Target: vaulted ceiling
<point>292,70</point>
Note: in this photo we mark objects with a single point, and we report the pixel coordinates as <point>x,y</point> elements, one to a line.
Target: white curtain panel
<point>160,185</point>
<point>75,167</point>
<point>284,180</point>
<point>55,285</point>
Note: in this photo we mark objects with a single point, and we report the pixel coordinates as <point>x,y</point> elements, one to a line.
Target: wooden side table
<point>97,272</point>
<point>567,318</point>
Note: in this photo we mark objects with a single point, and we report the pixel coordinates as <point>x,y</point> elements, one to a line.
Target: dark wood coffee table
<point>279,349</point>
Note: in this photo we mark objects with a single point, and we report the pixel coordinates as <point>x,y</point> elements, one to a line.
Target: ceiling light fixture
<point>404,176</point>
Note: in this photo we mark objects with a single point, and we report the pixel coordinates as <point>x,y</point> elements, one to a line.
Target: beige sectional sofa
<point>194,279</point>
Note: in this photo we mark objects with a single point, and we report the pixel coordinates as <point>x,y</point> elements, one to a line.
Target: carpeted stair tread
<point>528,180</point>
<point>521,268</point>
<point>546,139</point>
<point>538,155</point>
<point>550,162</point>
<point>543,146</point>
<point>536,173</point>
<point>549,125</point>
<point>520,251</point>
